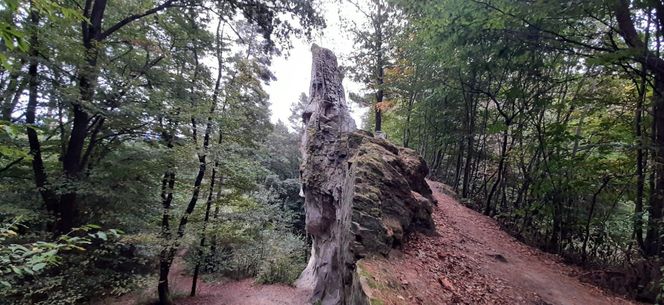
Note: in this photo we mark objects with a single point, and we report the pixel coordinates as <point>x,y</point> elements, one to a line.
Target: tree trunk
<point>41,179</point>
<point>654,232</point>
<point>163,290</point>
<point>409,112</point>
<point>172,248</point>
<point>215,216</point>
<point>12,93</point>
<point>459,160</point>
<point>640,164</point>
<point>591,212</point>
<point>87,83</point>
<point>71,161</point>
<point>554,239</point>
<point>93,36</point>
<point>380,72</point>
<point>165,259</point>
<point>201,245</point>
<point>488,208</point>
<point>470,134</point>
<point>208,205</point>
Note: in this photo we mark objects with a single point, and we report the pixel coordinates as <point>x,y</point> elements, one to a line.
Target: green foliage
<point>65,270</point>
<point>284,261</point>
<point>251,237</point>
<point>14,35</point>
<point>528,111</point>
<point>283,152</point>
<point>19,261</point>
<point>120,103</point>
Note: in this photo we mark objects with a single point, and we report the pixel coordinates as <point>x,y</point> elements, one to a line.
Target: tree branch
<point>132,18</point>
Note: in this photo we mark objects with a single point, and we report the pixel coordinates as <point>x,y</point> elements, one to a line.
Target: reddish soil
<point>472,261</point>
<point>244,292</point>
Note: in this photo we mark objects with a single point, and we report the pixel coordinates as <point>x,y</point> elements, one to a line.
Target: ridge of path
<point>471,260</point>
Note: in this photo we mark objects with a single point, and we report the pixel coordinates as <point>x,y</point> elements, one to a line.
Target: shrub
<point>73,269</point>
<point>284,261</point>
<point>252,237</point>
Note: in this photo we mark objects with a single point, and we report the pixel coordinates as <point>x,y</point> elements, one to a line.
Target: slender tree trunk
<point>41,179</point>
<point>481,151</point>
<point>208,205</point>
<point>654,232</point>
<point>12,93</point>
<point>470,134</point>
<point>201,245</point>
<point>215,216</point>
<point>436,161</point>
<point>409,112</point>
<point>168,253</point>
<point>640,173</point>
<point>488,208</point>
<point>380,72</point>
<point>172,247</point>
<point>165,259</point>
<point>459,160</point>
<point>556,228</point>
<point>591,212</point>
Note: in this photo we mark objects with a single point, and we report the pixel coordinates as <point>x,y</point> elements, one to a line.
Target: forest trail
<point>243,292</point>
<point>472,261</point>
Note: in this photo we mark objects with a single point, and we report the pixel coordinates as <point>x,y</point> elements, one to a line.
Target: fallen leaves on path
<point>470,260</point>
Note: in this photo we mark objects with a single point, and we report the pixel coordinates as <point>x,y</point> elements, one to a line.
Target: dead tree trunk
<point>330,271</point>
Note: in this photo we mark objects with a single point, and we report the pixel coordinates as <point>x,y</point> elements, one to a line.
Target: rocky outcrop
<point>362,194</point>
<point>390,195</point>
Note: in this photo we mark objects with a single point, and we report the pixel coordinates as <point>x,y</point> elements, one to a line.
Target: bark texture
<point>331,269</point>
<point>363,195</point>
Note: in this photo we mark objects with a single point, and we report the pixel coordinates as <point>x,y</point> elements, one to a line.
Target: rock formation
<point>362,194</point>
<point>390,196</point>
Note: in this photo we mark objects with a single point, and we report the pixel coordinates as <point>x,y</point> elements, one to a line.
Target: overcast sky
<point>294,72</point>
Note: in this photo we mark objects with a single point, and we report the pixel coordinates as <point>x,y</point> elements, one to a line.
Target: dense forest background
<point>134,132</point>
<point>546,115</point>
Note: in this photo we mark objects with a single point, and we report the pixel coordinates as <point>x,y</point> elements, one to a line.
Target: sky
<point>294,72</point>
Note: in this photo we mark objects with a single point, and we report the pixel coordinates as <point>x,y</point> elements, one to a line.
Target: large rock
<point>362,194</point>
<point>390,195</point>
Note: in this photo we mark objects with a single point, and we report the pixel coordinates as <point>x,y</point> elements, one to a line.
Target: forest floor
<point>469,260</point>
<point>243,292</point>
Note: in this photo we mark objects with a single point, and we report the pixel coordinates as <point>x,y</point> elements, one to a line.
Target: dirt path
<point>244,292</point>
<point>472,261</point>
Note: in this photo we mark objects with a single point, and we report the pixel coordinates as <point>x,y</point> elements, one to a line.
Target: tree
<point>297,108</point>
<point>374,45</point>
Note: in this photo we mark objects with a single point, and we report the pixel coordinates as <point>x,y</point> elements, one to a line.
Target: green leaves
<point>18,261</point>
<point>528,110</point>
<point>38,266</point>
<point>102,236</point>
